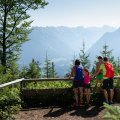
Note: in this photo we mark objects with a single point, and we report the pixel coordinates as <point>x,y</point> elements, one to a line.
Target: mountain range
<point>62,43</point>
<point>111,39</point>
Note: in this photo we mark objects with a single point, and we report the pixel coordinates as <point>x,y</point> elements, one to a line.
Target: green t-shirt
<point>103,69</point>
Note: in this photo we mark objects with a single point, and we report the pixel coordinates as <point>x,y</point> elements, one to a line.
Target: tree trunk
<point>3,62</point>
<point>4,57</point>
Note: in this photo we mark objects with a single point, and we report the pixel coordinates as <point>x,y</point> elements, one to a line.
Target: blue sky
<point>74,13</point>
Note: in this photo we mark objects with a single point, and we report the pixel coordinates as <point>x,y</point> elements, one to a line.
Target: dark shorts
<point>87,86</point>
<point>77,84</point>
<point>108,83</point>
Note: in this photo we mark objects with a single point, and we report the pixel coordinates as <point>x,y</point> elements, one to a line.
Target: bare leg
<point>81,94</point>
<point>105,95</point>
<point>111,94</point>
<point>86,94</point>
<point>89,95</point>
<point>75,90</point>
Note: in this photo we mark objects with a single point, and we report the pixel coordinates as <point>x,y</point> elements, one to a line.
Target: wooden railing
<point>11,83</point>
<point>22,80</point>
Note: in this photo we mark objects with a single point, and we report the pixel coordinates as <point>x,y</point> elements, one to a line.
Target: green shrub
<point>113,112</point>
<point>9,103</point>
<point>49,85</point>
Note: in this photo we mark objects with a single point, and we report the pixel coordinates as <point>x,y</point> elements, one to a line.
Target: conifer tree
<point>73,61</point>
<point>34,70</point>
<point>71,64</point>
<point>93,70</point>
<point>47,67</point>
<point>117,66</point>
<point>53,72</point>
<point>84,58</point>
<point>107,53</point>
<point>24,71</point>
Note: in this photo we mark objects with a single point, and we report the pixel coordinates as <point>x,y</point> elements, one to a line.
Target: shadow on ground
<point>83,111</point>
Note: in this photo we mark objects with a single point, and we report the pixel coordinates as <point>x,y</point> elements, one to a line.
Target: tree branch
<point>1,19</point>
<point>16,21</point>
<point>1,43</point>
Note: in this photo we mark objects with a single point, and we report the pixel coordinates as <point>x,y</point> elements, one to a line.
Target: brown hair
<point>105,59</point>
<point>77,62</point>
<point>100,57</point>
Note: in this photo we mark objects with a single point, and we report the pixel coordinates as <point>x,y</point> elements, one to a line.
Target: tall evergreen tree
<point>34,70</point>
<point>24,71</point>
<point>84,58</point>
<point>117,66</point>
<point>14,27</point>
<point>71,65</point>
<point>107,53</point>
<point>47,67</point>
<point>53,72</point>
<point>73,61</point>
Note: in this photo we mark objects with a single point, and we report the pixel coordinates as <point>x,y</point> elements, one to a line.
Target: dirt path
<point>62,113</point>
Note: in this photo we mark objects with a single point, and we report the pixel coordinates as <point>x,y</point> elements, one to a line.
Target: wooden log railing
<point>11,83</point>
<point>42,91</point>
<point>22,81</point>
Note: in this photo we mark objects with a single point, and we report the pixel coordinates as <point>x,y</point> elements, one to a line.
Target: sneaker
<point>106,102</point>
<point>75,105</point>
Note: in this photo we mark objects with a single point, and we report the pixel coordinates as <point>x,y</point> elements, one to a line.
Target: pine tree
<point>47,67</point>
<point>71,65</point>
<point>14,70</point>
<point>117,66</point>
<point>73,61</point>
<point>93,70</point>
<point>53,72</point>
<point>24,72</point>
<point>34,70</point>
<point>15,27</point>
<point>84,57</point>
<point>107,53</point>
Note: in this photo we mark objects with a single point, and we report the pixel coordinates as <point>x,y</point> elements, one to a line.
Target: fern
<point>113,112</point>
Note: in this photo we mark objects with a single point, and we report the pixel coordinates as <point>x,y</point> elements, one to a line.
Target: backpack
<point>78,73</point>
<point>109,70</point>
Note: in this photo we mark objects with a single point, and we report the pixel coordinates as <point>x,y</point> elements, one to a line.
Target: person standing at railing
<point>87,85</point>
<point>99,77</point>
<point>108,72</point>
<point>78,82</point>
